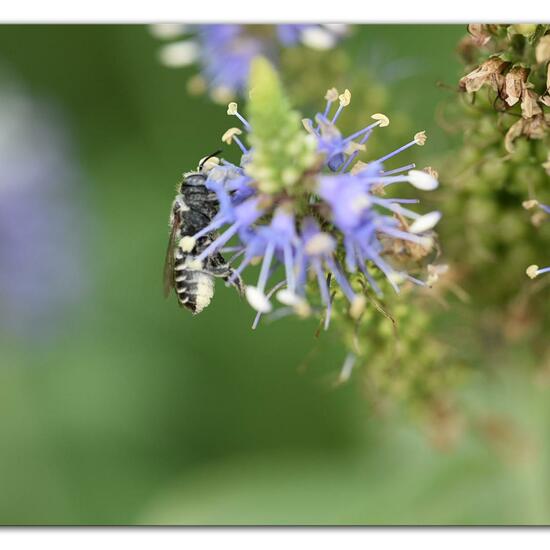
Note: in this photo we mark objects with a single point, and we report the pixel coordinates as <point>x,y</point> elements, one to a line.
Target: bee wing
<point>169,259</point>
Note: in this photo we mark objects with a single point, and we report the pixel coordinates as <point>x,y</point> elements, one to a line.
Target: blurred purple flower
<point>225,52</point>
<point>40,264</point>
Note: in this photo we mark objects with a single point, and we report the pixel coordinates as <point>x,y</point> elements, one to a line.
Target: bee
<point>192,210</point>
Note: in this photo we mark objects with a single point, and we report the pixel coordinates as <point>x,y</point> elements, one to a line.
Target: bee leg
<point>237,282</point>
<point>217,266</point>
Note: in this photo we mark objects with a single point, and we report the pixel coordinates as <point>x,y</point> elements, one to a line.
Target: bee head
<point>198,177</point>
<point>209,162</point>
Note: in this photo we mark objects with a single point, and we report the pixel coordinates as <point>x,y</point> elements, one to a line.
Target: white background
<point>242,11</point>
<point>363,11</point>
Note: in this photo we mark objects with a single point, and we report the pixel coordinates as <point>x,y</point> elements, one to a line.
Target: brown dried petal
<point>529,105</point>
<point>513,84</point>
<point>512,134</point>
<point>479,34</point>
<point>486,73</point>
<point>536,127</point>
<point>545,100</point>
<point>542,51</point>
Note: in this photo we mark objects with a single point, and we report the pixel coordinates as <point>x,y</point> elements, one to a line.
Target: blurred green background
<point>135,412</point>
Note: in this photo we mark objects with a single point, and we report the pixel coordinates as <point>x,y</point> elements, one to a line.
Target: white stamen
<point>318,38</point>
<point>232,108</point>
<point>532,271</point>
<point>179,54</point>
<point>347,368</point>
<point>257,299</point>
<point>287,297</point>
<point>425,222</point>
<point>422,180</point>
<point>383,119</point>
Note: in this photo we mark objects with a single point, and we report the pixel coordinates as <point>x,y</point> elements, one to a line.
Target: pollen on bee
<point>187,244</point>
<point>193,265</point>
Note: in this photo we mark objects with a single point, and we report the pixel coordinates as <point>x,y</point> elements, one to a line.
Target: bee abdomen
<point>194,288</point>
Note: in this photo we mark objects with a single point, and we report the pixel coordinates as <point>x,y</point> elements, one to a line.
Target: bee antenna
<point>203,161</point>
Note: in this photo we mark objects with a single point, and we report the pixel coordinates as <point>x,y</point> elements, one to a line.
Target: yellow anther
<point>352,147</point>
<point>532,271</point>
<point>383,119</point>
<point>431,171</point>
<point>230,134</point>
<point>196,85</point>
<point>359,166</point>
<point>232,108</point>
<point>420,138</point>
<point>308,125</point>
<point>530,204</point>
<point>332,94</point>
<point>345,98</point>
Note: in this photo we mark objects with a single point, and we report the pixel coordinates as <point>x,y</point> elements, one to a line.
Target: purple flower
<point>40,264</point>
<point>320,236</point>
<point>224,52</point>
